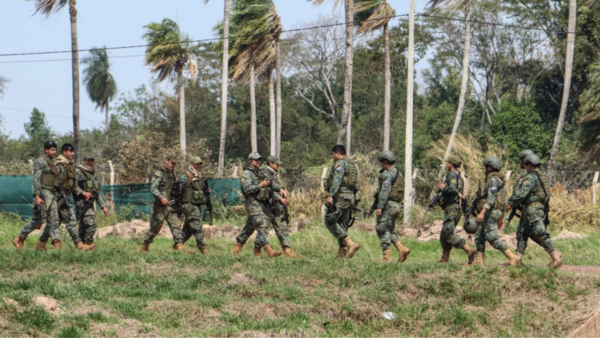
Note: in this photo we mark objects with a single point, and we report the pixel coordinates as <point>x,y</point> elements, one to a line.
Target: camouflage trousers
<point>488,231</point>
<point>337,224</point>
<point>448,238</point>
<point>258,223</point>
<point>49,198</point>
<point>193,224</point>
<point>87,223</point>
<point>386,224</point>
<point>281,227</point>
<point>160,214</point>
<point>531,225</point>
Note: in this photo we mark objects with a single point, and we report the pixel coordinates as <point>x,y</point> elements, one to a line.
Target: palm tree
<point>47,7</point>
<point>465,5</point>
<point>99,82</point>
<point>371,15</point>
<point>169,54</point>
<point>346,123</point>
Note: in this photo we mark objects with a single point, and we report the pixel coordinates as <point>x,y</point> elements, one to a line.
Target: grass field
<point>114,291</point>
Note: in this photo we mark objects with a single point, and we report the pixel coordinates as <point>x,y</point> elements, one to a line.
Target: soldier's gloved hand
<point>378,212</point>
<point>329,200</point>
<point>284,201</point>
<point>508,207</point>
<point>283,193</point>
<point>441,186</point>
<point>38,201</point>
<point>87,195</point>
<point>164,201</point>
<point>265,183</point>
<point>106,213</point>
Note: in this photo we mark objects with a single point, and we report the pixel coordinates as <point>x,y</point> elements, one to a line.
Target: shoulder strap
<point>51,164</point>
<point>396,177</point>
<point>541,182</point>
<point>189,179</point>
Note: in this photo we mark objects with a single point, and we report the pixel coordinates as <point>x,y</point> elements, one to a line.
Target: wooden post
<point>595,188</point>
<point>112,172</point>
<point>507,179</point>
<point>414,177</point>
<point>234,171</point>
<point>408,151</point>
<point>323,178</point>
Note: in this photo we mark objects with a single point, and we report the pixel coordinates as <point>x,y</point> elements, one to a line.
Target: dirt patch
<point>125,328</point>
<point>566,234</point>
<point>242,279</point>
<point>49,304</point>
<point>84,310</point>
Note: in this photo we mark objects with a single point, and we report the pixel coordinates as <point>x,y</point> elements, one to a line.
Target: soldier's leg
<point>537,231</point>
<point>491,230</point>
<point>52,217</point>
<point>261,224</point>
<point>194,220</point>
<point>338,224</point>
<point>159,215</point>
<point>246,232</point>
<point>29,227</point>
<point>67,216</point>
<point>175,224</point>
<point>282,230</point>
<point>521,236</point>
<point>88,226</point>
<point>186,229</point>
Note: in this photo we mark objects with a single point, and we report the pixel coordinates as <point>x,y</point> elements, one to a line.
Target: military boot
<point>403,252</point>
<point>445,257</point>
<point>41,246</point>
<point>145,247</point>
<point>181,247</point>
<point>18,242</point>
<point>342,252</point>
<point>57,244</point>
<point>237,248</point>
<point>271,252</point>
<point>288,252</point>
<point>257,252</point>
<point>352,247</point>
<point>550,263</point>
<point>479,258</point>
<point>513,260</point>
<point>90,244</point>
<point>556,260</point>
<point>204,250</point>
<point>470,252</point>
<point>82,247</point>
<point>387,256</point>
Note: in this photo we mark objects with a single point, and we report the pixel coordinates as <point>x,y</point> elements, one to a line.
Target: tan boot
<point>387,256</point>
<point>237,248</point>
<point>445,257</point>
<point>513,260</point>
<point>57,244</point>
<point>551,261</point>
<point>470,253</point>
<point>402,251</point>
<point>90,244</point>
<point>257,252</point>
<point>288,252</point>
<point>145,247</point>
<point>352,247</point>
<point>556,260</point>
<point>204,250</point>
<point>82,247</point>
<point>271,252</point>
<point>41,246</point>
<point>342,252</point>
<point>18,242</point>
<point>479,258</point>
<point>181,247</point>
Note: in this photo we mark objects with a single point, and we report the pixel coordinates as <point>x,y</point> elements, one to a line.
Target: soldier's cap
<point>196,160</point>
<point>274,159</point>
<point>255,156</point>
<point>173,157</point>
<point>89,156</point>
<point>454,159</point>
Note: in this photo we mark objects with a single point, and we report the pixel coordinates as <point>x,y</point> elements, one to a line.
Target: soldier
<point>162,183</point>
<point>278,203</point>
<point>451,203</point>
<point>521,239</point>
<point>256,204</point>
<point>86,179</point>
<point>193,198</point>
<point>531,194</point>
<point>389,208</point>
<point>44,192</point>
<point>490,209</point>
<point>341,188</point>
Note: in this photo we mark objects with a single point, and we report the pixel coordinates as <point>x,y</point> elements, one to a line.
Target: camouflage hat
<point>274,159</point>
<point>454,159</point>
<point>196,160</point>
<point>255,156</point>
<point>173,156</point>
<point>525,153</point>
<point>532,159</point>
<point>89,156</point>
<point>386,155</point>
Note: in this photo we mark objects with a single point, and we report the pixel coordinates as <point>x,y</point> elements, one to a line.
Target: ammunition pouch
<point>48,179</point>
<point>264,194</point>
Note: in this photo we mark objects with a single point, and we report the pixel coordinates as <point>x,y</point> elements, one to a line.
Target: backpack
<point>352,176</point>
<point>463,189</point>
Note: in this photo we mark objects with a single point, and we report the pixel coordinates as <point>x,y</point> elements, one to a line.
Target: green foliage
<point>35,317</point>
<point>168,49</point>
<point>38,131</point>
<point>99,82</point>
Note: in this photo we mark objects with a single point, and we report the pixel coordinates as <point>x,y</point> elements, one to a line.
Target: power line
<point>62,117</point>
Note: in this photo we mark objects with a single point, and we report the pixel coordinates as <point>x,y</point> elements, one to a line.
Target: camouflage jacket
<point>40,167</point>
<point>340,169</point>
<point>272,176</point>
<point>385,186</point>
<point>250,180</point>
<point>62,164</point>
<point>492,186</point>
<point>83,177</point>
<point>528,191</point>
<point>161,183</point>
<point>450,191</point>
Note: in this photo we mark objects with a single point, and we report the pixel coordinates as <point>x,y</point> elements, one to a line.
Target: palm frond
<point>452,4</point>
<point>46,7</point>
<point>371,15</point>
<point>320,2</point>
<point>99,82</point>
<point>591,97</point>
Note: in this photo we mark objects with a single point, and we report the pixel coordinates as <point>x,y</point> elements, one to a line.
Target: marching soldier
<point>193,197</point>
<point>86,179</point>
<point>389,208</point>
<point>162,183</point>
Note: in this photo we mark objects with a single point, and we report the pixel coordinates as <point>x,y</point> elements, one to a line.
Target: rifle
<point>471,210</point>
<point>177,200</point>
<point>87,205</point>
<point>207,202</point>
<point>353,212</point>
<point>434,201</point>
<point>65,197</point>
<point>513,214</point>
<point>546,220</point>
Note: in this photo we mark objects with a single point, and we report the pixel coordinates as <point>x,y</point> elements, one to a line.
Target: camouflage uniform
<point>193,198</point>
<point>390,193</point>
<point>451,205</point>
<point>530,195</point>
<point>488,229</point>
<point>86,179</point>
<point>338,225</point>
<point>276,213</point>
<point>256,207</point>
<point>161,184</point>
<point>521,237</point>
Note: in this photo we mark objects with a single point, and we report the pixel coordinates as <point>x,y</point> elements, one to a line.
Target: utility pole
<point>409,115</point>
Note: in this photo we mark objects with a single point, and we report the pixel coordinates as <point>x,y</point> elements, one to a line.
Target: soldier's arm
<point>492,192</point>
<point>522,192</point>
<point>341,168</point>
<point>182,180</point>
<point>154,183</point>
<point>249,186</point>
<point>38,167</point>
<point>75,188</point>
<point>276,186</point>
<point>451,187</point>
<point>386,187</point>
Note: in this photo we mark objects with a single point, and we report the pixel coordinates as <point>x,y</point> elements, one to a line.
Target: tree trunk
<point>347,110</point>
<point>182,138</point>
<point>107,121</point>
<point>75,66</point>
<point>279,101</point>
<point>463,88</point>
<point>253,136</point>
<point>566,85</point>
<point>409,115</point>
<point>272,115</point>
<point>224,78</point>
<point>388,89</point>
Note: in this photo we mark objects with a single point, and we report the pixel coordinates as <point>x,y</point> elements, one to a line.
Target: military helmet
<point>454,159</point>
<point>50,145</point>
<point>196,160</point>
<point>255,156</point>
<point>493,162</point>
<point>386,155</point>
<point>524,153</point>
<point>89,156</point>
<point>67,146</point>
<point>274,159</point>
<point>532,159</point>
<point>173,157</point>
<point>470,225</point>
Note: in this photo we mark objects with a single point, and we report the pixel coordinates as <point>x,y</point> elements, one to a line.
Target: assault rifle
<point>513,214</point>
<point>480,195</point>
<point>375,202</point>
<point>62,194</point>
<point>353,212</point>
<point>434,201</point>
<point>177,200</point>
<point>87,205</point>
<point>207,202</point>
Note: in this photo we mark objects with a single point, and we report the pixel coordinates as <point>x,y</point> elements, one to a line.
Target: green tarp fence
<point>16,194</point>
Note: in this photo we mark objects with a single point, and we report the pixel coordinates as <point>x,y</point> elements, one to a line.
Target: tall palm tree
<point>169,54</point>
<point>371,15</point>
<point>99,82</point>
<point>346,124</point>
<point>465,6</point>
<point>47,7</point>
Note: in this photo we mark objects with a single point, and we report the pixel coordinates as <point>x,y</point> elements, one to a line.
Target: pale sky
<point>114,23</point>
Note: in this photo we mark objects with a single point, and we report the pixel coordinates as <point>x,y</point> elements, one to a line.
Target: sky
<point>36,82</point>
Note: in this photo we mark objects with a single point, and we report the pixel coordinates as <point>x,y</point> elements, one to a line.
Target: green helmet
<point>174,157</point>
<point>386,155</point>
<point>454,159</point>
<point>524,153</point>
<point>532,159</point>
<point>493,162</point>
<point>470,225</point>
